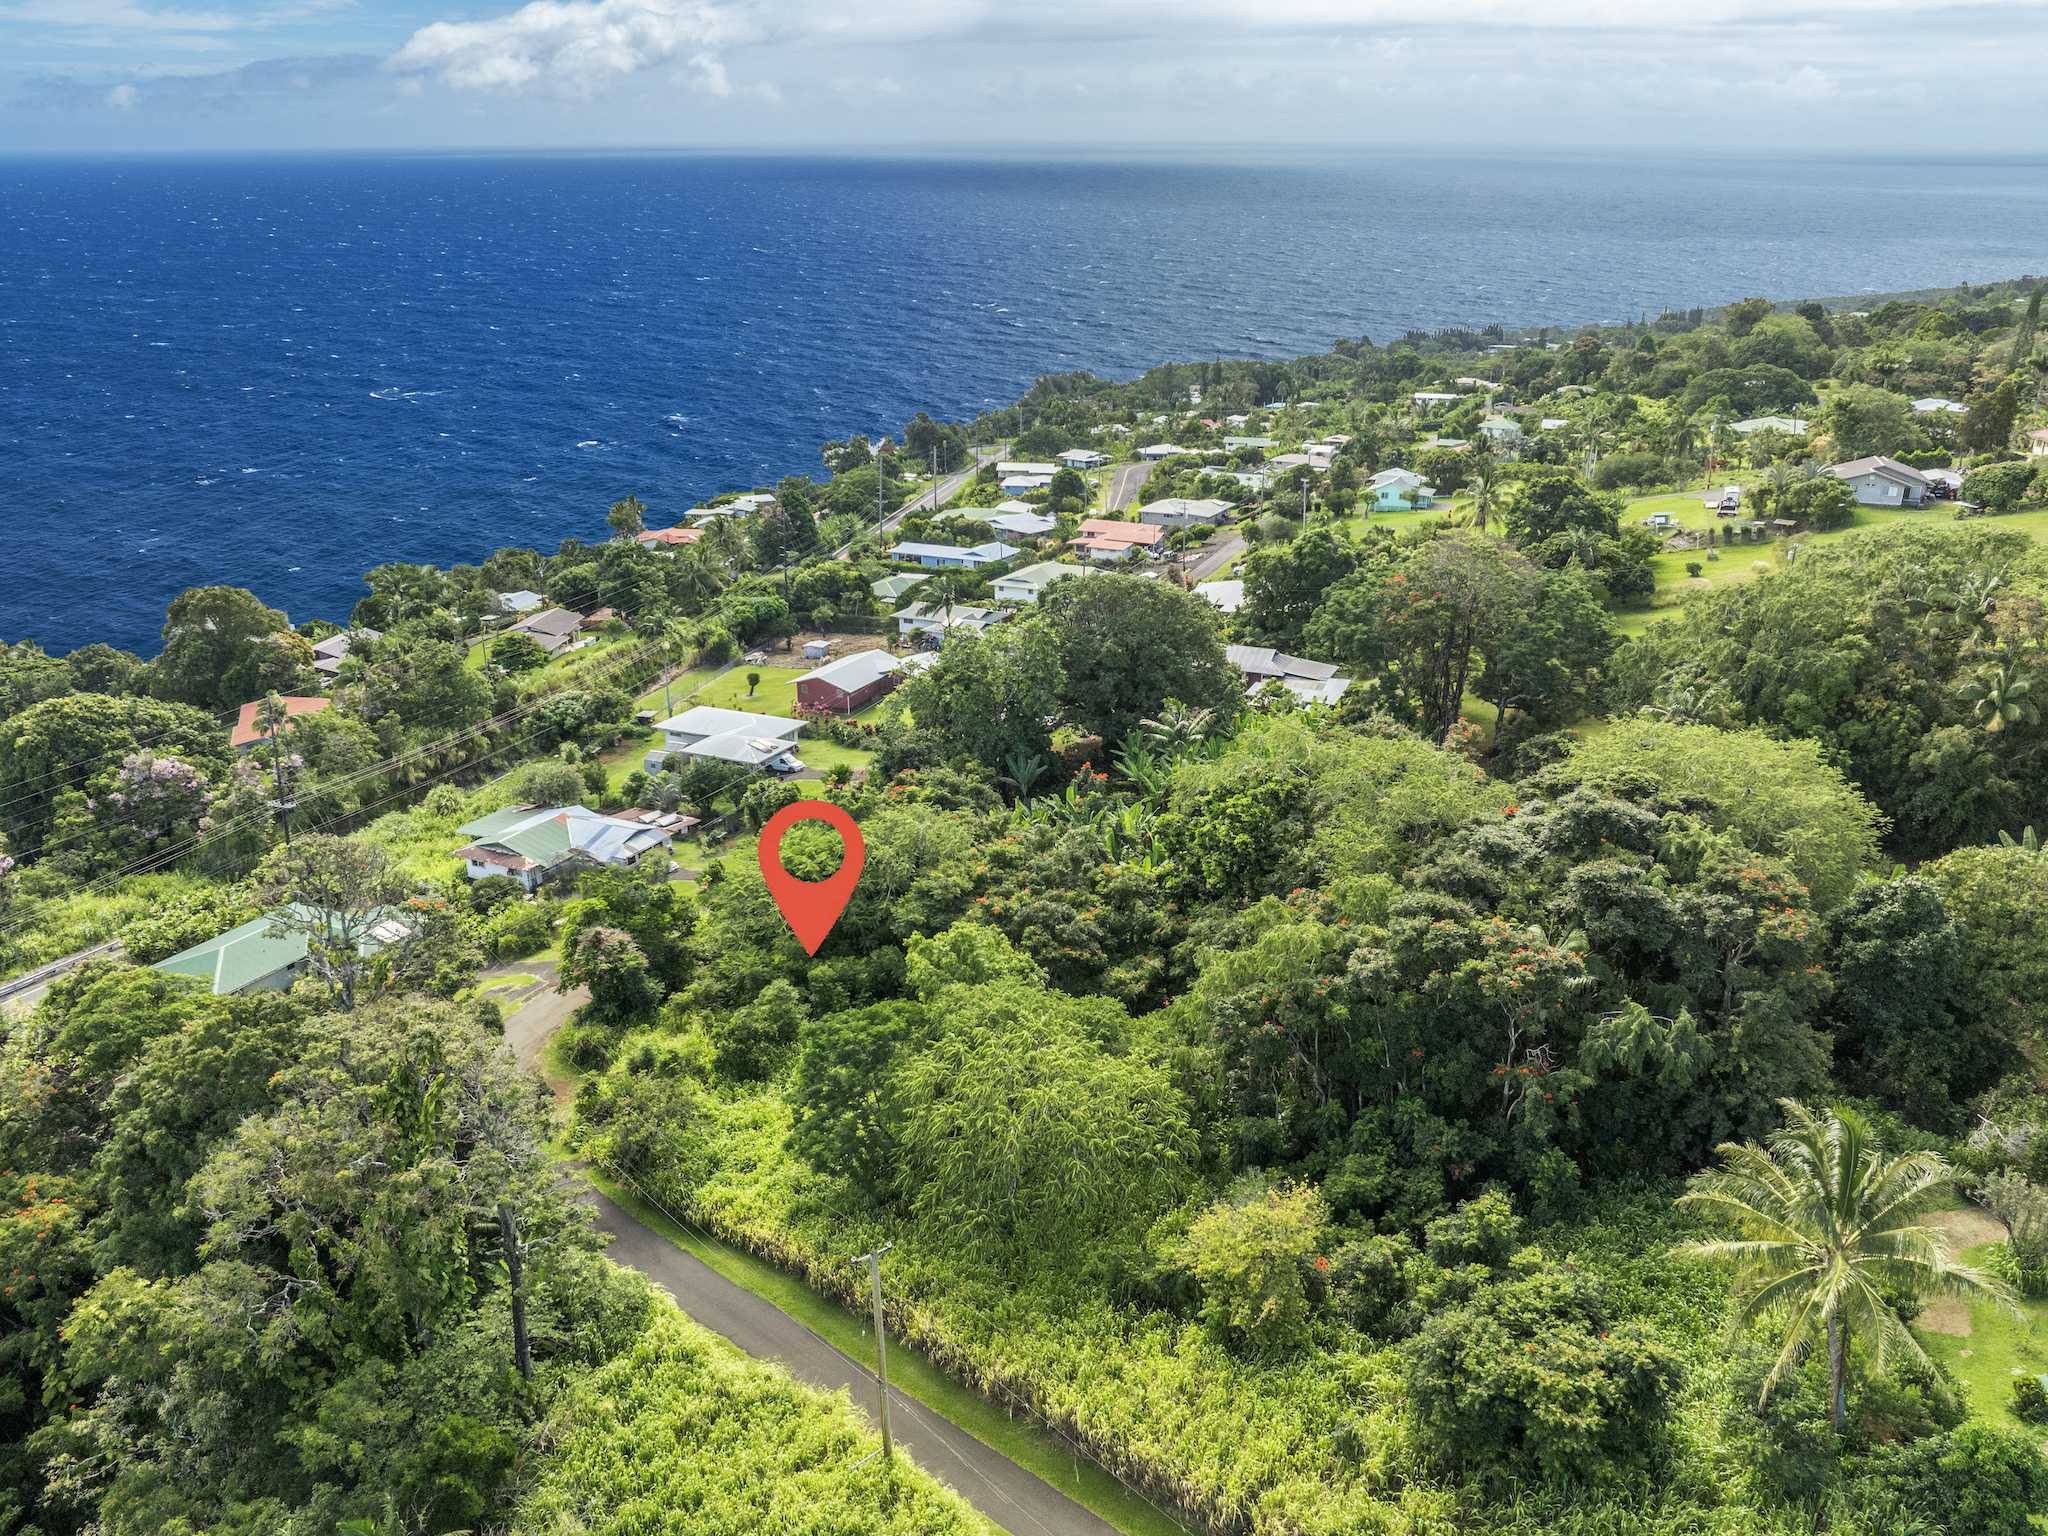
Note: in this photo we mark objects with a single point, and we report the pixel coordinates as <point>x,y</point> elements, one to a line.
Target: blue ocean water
<point>279,372</point>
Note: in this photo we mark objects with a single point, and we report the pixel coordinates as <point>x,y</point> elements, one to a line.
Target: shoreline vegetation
<point>1487,787</point>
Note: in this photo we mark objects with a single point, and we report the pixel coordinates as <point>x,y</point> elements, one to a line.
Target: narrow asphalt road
<point>1216,554</point>
<point>1016,1500</point>
<point>949,487</point>
<point>1125,481</point>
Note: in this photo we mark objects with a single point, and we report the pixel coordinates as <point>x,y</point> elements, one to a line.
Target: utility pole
<point>874,1264</point>
<point>935,480</point>
<point>273,717</point>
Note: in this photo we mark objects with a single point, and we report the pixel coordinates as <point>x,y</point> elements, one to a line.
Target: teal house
<point>261,956</point>
<point>1399,490</point>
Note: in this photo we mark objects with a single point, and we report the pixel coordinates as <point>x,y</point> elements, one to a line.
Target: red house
<point>850,683</point>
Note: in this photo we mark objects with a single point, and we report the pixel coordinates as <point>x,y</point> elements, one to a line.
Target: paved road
<point>1125,481</point>
<point>1216,554</point>
<point>21,995</point>
<point>1016,1500</point>
<point>948,489</point>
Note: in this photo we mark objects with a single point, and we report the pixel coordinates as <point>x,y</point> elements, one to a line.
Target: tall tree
<point>213,643</point>
<point>337,893</point>
<point>1829,1229</point>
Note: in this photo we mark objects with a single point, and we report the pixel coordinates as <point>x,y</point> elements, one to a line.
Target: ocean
<point>278,372</point>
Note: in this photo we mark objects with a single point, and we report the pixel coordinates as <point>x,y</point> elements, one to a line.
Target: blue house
<point>1399,490</point>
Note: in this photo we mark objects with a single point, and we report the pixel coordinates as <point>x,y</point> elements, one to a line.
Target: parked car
<point>1731,499</point>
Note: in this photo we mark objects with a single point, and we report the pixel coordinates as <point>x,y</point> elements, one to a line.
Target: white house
<point>1503,431</point>
<point>935,619</point>
<point>519,602</point>
<point>1232,444</point>
<point>729,736</point>
<point>953,556</point>
<point>532,844</point>
<point>1226,595</point>
<point>1017,485</point>
<point>1083,458</point>
<point>1181,512</point>
<point>1007,467</point>
<point>1430,399</point>
<point>1024,585</point>
<point>1157,451</point>
<point>2037,442</point>
<point>1935,405</point>
<point>1882,482</point>
<point>1788,424</point>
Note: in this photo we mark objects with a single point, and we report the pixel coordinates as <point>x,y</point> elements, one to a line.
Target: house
<point>1109,538</point>
<point>850,683</point>
<point>1009,467</point>
<point>1083,458</point>
<point>329,654</point>
<point>1313,682</point>
<point>954,556</point>
<point>1431,399</point>
<point>1251,479</point>
<point>1472,383</point>
<point>1232,444</point>
<point>729,736</point>
<point>1023,525</point>
<point>2037,442</point>
<point>534,844</point>
<point>1882,482</point>
<point>1226,595</point>
<point>1017,485</point>
<point>519,602</point>
<point>1935,405</point>
<point>1286,461</point>
<point>1013,505</point>
<point>1787,424</point>
<point>891,589</point>
<point>1180,512</point>
<point>667,540</point>
<point>935,619</point>
<point>1397,490</point>
<point>1501,431</point>
<point>261,956</point>
<point>248,727</point>
<point>1237,420</point>
<point>1154,452</point>
<point>555,628</point>
<point>1024,585</point>
<point>1553,423</point>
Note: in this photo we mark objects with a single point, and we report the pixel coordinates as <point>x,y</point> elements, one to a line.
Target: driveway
<point>1215,555</point>
<point>533,1010</point>
<point>1016,1500</point>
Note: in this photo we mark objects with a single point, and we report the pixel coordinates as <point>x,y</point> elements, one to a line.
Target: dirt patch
<point>1966,1228</point>
<point>1946,1315</point>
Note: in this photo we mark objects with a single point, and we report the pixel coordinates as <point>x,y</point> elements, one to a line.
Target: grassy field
<point>1986,1346</point>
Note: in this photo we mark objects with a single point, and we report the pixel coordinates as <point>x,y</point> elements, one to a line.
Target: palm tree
<point>1178,727</point>
<point>1483,487</point>
<point>1829,1226</point>
<point>2000,695</point>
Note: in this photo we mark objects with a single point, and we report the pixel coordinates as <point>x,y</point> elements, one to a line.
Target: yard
<point>1983,1344</point>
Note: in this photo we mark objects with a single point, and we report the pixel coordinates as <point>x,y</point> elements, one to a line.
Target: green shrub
<point>1975,1480</point>
<point>184,919</point>
<point>1258,1257</point>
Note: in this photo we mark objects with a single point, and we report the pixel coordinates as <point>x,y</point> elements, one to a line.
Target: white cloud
<point>115,15</point>
<point>122,97</point>
<point>577,44</point>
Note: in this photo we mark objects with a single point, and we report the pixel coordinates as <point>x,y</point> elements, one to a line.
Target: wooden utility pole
<point>274,715</point>
<point>874,1264</point>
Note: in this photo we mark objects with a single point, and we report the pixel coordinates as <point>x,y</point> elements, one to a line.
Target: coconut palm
<point>1484,487</point>
<point>2001,696</point>
<point>1178,727</point>
<point>1829,1229</point>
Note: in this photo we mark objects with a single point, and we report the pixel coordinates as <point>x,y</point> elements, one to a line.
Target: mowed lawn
<point>1983,1344</point>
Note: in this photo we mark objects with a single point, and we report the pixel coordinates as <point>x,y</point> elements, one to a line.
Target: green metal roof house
<point>260,957</point>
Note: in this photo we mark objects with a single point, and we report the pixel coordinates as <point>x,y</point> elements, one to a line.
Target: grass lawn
<point>775,696</point>
<point>1996,1349</point>
<point>1032,1448</point>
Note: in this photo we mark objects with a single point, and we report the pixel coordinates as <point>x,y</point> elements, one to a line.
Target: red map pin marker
<point>811,907</point>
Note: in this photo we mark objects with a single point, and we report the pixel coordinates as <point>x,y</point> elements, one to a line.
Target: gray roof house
<point>1313,682</point>
<point>555,628</point>
<point>1180,512</point>
<point>728,736</point>
<point>521,601</point>
<point>1024,585</point>
<point>329,654</point>
<point>1882,482</point>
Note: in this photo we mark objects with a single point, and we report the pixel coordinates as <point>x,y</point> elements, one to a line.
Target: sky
<point>1108,77</point>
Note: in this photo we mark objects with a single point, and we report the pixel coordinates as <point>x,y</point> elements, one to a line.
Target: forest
<point>1587,1079</point>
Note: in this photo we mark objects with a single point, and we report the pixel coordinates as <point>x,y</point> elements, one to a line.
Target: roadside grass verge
<point>1036,1450</point>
